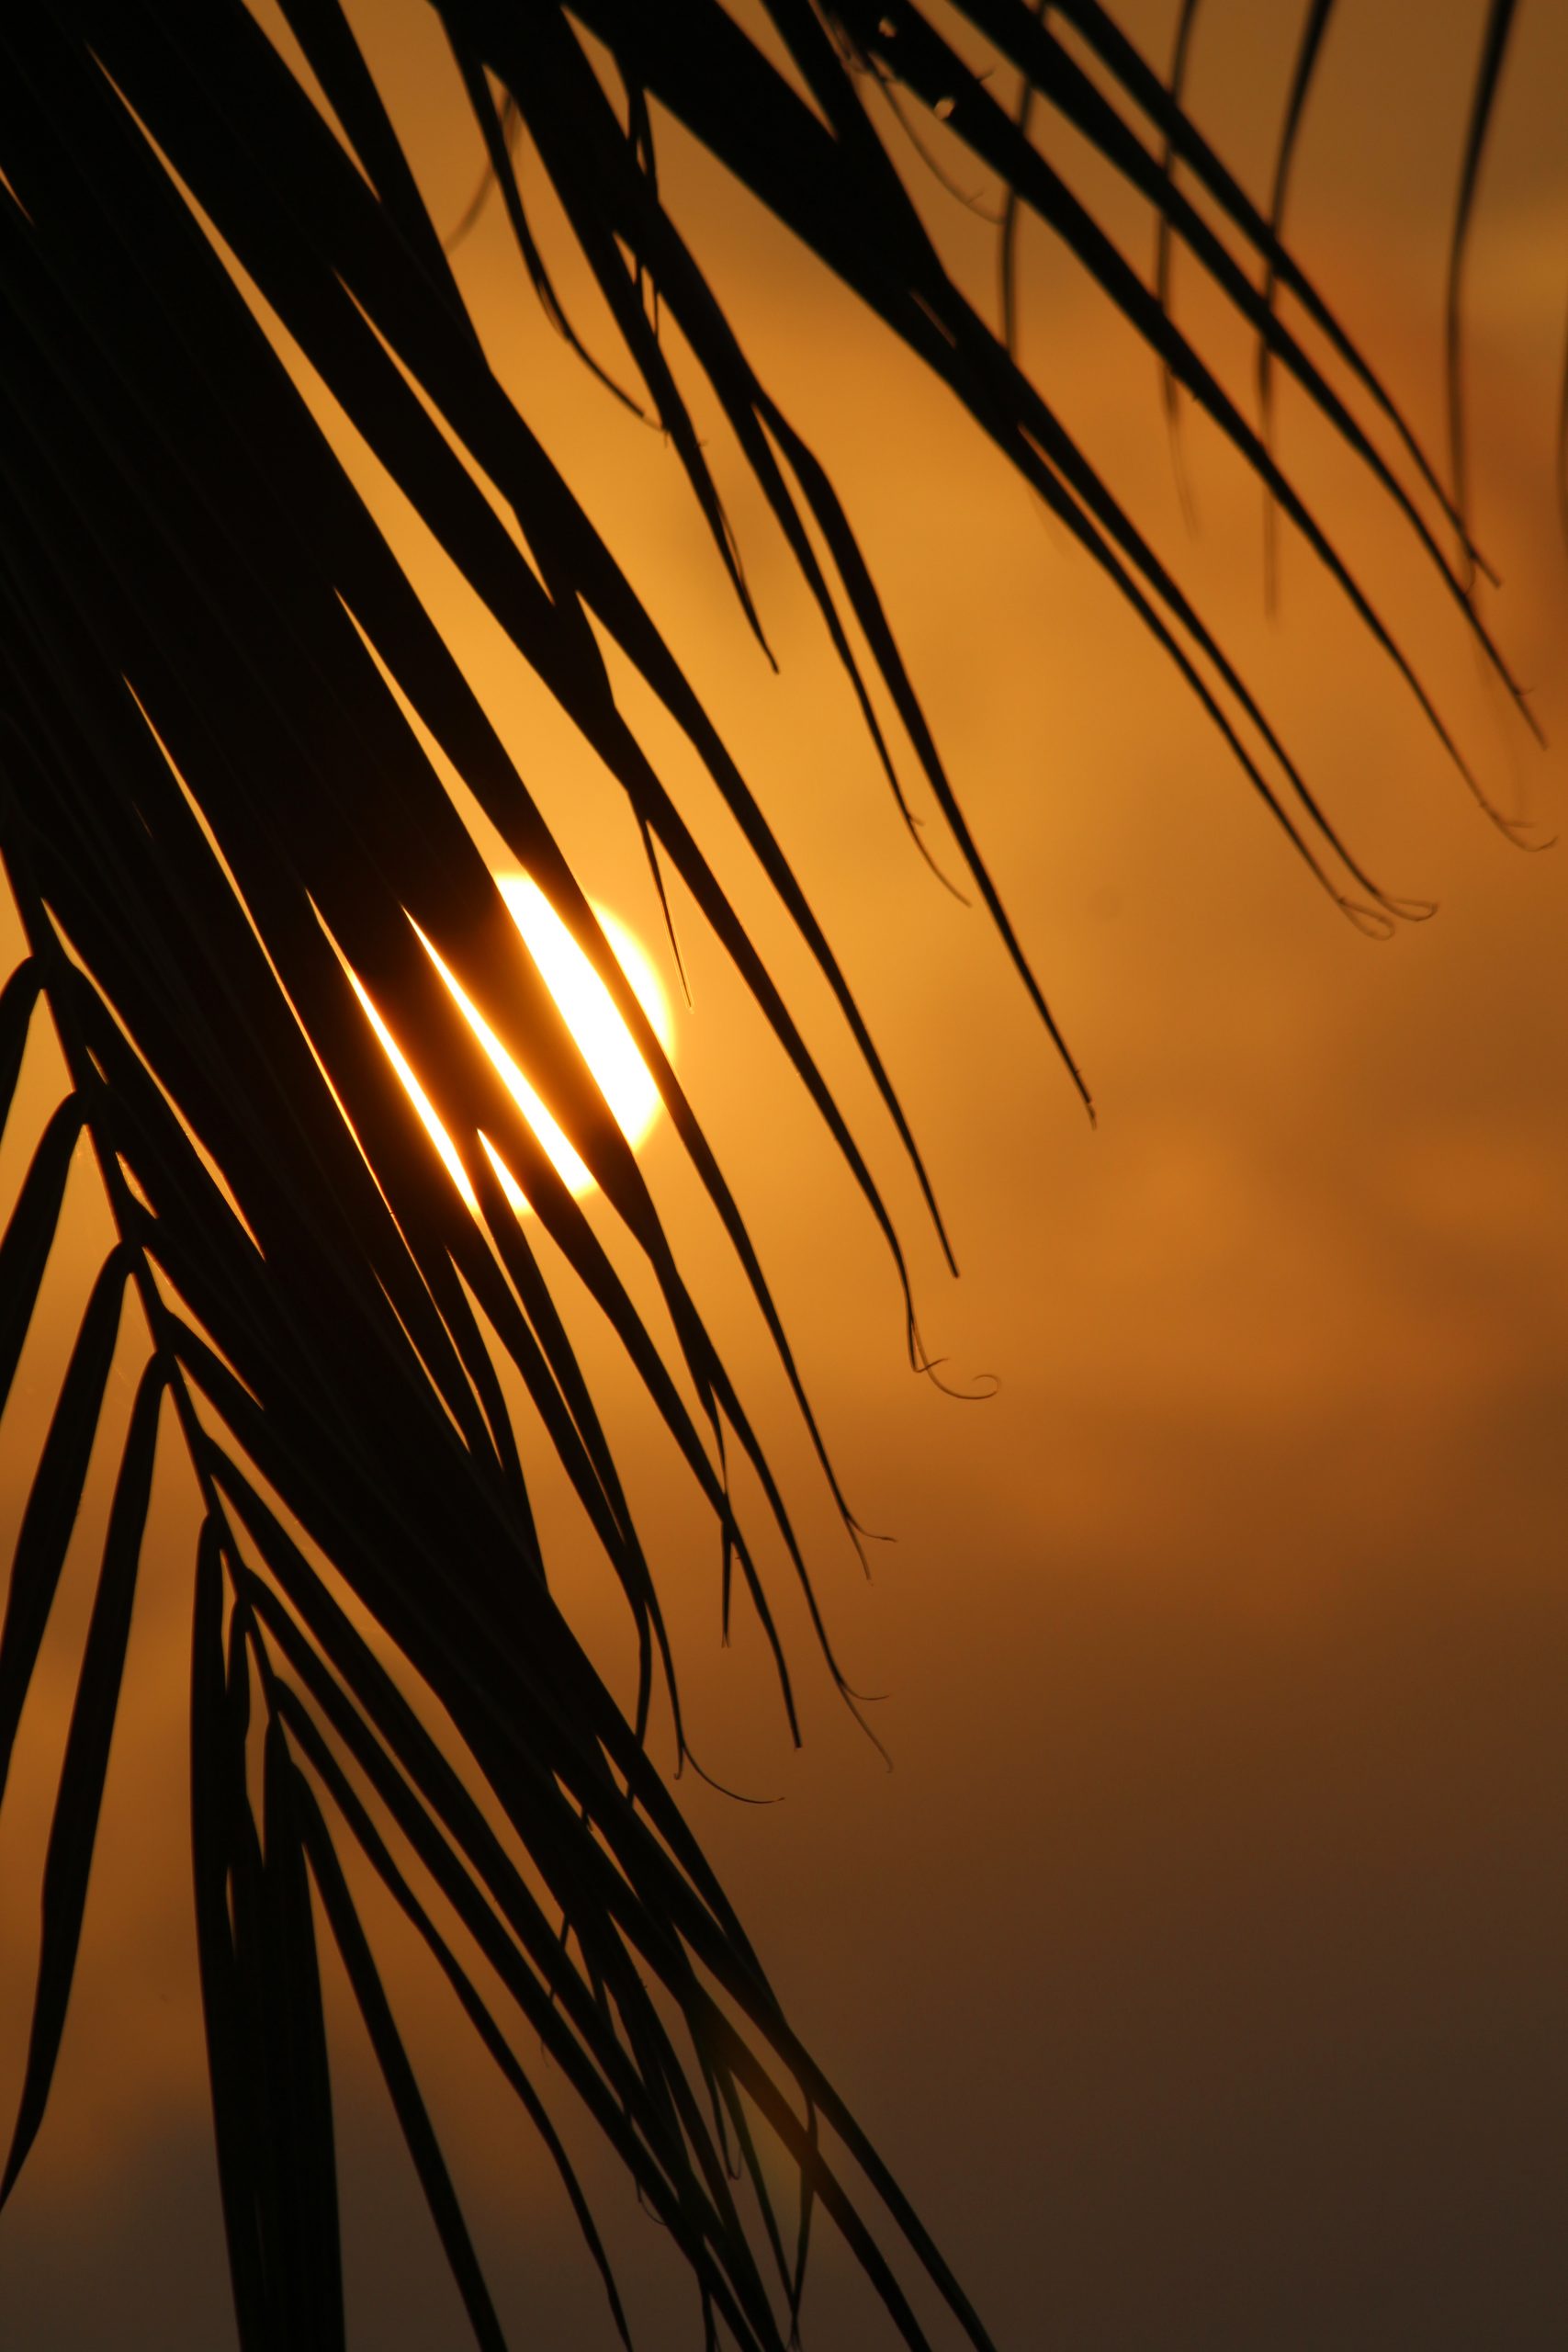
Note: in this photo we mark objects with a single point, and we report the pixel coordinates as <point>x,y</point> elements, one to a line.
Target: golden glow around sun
<point>601,1036</point>
<point>604,1041</point>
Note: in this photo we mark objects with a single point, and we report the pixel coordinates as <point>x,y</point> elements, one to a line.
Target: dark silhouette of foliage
<point>211,803</point>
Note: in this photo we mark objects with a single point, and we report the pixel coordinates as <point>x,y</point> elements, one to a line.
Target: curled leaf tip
<point>1412,910</point>
<point>1372,922</point>
<point>723,1788</point>
<point>986,1383</point>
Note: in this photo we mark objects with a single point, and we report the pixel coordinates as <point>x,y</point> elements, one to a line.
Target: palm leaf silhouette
<point>217,810</point>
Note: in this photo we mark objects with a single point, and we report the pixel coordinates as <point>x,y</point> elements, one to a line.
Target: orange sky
<point>1198,1966</point>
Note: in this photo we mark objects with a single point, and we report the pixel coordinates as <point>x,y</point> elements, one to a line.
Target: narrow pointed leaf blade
<point>16,1000</point>
<point>74,1831</point>
<point>230,2053</point>
<point>402,2083</point>
<point>24,1253</point>
<point>300,2082</point>
<point>55,1499</point>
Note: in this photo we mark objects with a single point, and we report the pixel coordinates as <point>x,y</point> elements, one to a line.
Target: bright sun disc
<point>601,1037</point>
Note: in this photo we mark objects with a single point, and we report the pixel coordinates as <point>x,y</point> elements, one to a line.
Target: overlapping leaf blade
<point>24,1251</point>
<point>74,1829</point>
<point>55,1500</point>
<point>18,998</point>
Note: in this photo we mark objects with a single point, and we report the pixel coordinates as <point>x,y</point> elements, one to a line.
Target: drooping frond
<point>232,858</point>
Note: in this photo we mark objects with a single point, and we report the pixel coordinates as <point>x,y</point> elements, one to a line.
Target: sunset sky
<point>1198,1965</point>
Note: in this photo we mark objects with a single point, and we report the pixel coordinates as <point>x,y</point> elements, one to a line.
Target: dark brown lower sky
<point>1199,1965</point>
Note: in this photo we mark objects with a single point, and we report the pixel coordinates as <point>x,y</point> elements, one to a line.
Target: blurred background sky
<point>1198,1965</point>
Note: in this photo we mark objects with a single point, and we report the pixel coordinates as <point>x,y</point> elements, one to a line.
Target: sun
<point>603,1038</point>
<point>590,1012</point>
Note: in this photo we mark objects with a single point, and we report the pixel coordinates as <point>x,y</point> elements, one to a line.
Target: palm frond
<point>1494,48</point>
<point>1303,73</point>
<point>227,847</point>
